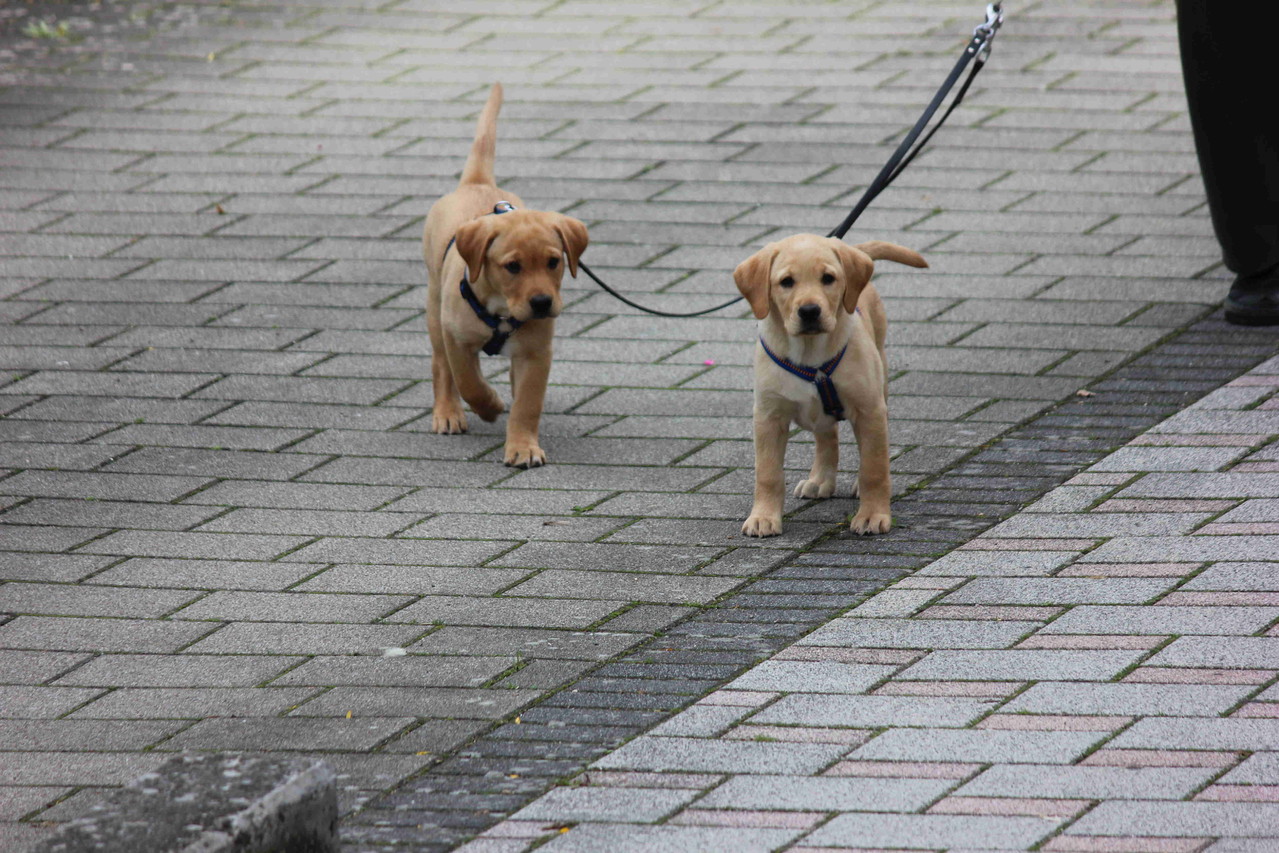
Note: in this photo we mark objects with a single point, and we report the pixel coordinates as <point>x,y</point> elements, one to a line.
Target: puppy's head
<point>805,280</point>
<point>522,255</point>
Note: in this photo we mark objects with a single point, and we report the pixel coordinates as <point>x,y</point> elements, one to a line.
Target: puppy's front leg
<point>529,373</point>
<point>447,416</point>
<point>465,364</point>
<point>874,486</point>
<point>770,481</point>
<point>821,479</point>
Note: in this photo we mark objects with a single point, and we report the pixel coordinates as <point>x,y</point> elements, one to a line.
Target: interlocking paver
<point>936,831</point>
<point>406,702</point>
<point>1090,782</point>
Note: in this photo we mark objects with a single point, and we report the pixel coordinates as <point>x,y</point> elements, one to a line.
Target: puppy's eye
<point>513,267</point>
<point>828,279</point>
<point>787,282</point>
<point>553,263</point>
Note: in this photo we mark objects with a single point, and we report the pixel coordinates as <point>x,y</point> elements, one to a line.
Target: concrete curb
<point>215,803</point>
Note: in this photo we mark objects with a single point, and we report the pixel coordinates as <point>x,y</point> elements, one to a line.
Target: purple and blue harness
<point>503,327</point>
<point>819,376</point>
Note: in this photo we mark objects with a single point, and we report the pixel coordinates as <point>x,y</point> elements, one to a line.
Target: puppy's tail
<point>479,165</point>
<point>879,250</point>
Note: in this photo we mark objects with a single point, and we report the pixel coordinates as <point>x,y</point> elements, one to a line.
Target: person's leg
<point>1225,61</point>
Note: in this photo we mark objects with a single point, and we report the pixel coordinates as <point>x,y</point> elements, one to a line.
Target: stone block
<point>684,754</point>
<point>215,803</point>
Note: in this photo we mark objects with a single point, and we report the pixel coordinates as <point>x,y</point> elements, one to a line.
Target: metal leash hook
<point>987,30</point>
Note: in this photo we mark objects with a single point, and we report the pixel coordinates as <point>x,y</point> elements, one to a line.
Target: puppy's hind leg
<point>821,479</point>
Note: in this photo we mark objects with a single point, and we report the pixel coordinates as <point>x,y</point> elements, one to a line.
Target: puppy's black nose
<point>541,305</point>
<point>809,314</point>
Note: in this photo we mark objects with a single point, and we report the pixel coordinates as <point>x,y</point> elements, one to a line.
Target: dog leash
<point>976,52</point>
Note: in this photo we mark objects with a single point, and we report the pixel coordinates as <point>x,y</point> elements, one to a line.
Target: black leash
<point>975,52</point>
<point>978,49</point>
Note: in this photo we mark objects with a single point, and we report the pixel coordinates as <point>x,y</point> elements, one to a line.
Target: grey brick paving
<point>1098,727</point>
<point>936,831</point>
<point>656,753</point>
<point>1126,783</point>
<point>1181,819</point>
<point>823,794</point>
<point>220,490</point>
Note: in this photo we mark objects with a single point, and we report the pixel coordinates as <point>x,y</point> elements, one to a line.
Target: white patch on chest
<point>802,395</point>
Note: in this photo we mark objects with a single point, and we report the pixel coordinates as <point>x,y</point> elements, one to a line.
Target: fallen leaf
<point>219,208</point>
<point>1083,392</point>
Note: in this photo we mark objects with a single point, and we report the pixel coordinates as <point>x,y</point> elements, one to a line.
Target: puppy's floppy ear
<point>473,240</point>
<point>858,268</point>
<point>752,276</point>
<point>573,236</point>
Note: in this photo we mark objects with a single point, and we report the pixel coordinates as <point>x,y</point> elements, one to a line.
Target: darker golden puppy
<point>820,359</point>
<point>494,272</point>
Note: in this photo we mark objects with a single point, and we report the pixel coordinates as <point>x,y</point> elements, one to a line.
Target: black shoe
<point>1254,300</point>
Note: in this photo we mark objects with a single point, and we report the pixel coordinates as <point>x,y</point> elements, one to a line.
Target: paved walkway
<point>225,524</point>
<point>1097,673</point>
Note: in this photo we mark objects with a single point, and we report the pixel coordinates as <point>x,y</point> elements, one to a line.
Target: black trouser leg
<point>1228,59</point>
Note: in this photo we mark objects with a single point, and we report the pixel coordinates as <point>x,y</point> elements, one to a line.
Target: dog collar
<point>818,376</point>
<point>503,327</point>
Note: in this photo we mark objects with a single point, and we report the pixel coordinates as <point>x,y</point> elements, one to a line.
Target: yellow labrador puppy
<point>820,360</point>
<point>493,276</point>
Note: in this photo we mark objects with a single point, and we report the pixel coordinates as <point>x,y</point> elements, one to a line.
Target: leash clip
<point>986,30</point>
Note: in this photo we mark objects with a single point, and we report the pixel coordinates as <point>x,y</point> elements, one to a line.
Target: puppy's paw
<point>821,488</point>
<point>763,525</point>
<point>867,522</point>
<point>448,421</point>
<point>524,456</point>
<point>489,409</point>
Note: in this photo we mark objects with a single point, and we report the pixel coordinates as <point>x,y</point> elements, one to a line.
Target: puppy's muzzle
<point>810,317</point>
<point>541,305</point>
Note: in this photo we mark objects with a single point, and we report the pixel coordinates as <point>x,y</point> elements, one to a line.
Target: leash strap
<point>818,376</point>
<point>500,335</point>
<point>978,48</point>
<point>584,268</point>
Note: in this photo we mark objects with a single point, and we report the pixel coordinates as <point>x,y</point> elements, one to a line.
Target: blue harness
<point>819,376</point>
<point>503,327</point>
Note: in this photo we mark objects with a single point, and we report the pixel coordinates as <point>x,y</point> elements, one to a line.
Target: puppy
<point>493,283</point>
<point>820,359</point>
